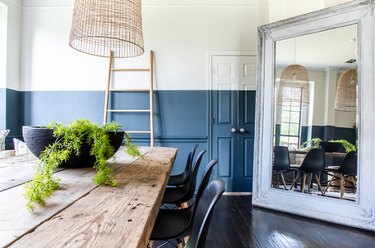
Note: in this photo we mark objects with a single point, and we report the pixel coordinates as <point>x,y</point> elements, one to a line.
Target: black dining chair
<point>181,179</point>
<point>281,165</point>
<point>173,223</point>
<point>347,170</point>
<point>312,165</point>
<point>203,214</point>
<point>184,193</point>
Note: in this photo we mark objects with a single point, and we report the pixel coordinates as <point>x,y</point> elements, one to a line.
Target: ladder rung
<point>129,110</point>
<point>130,69</point>
<point>131,90</point>
<point>138,131</point>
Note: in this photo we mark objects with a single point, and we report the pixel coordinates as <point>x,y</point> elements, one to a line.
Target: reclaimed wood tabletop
<point>80,213</point>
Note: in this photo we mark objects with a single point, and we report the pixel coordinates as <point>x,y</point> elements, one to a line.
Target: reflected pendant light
<point>346,94</point>
<point>295,78</point>
<point>102,26</point>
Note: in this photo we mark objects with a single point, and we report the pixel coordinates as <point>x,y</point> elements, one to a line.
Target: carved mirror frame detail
<point>360,213</point>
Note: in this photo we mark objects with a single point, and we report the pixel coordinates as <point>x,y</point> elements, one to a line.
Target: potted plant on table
<point>330,145</point>
<point>79,144</point>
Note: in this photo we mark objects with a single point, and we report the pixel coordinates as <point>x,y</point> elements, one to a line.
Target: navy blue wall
<point>181,117</point>
<point>324,133</point>
<point>330,133</point>
<point>11,114</point>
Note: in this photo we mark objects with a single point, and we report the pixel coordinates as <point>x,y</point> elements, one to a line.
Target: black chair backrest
<point>281,159</point>
<point>314,161</point>
<point>189,187</point>
<point>205,179</point>
<point>349,164</point>
<point>189,162</point>
<point>203,214</point>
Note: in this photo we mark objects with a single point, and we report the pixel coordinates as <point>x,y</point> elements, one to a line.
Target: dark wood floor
<point>236,223</point>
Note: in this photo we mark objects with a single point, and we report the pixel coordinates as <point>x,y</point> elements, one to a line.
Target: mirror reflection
<point>315,117</point>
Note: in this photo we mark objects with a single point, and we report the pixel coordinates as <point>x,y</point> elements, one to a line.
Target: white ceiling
<point>320,50</point>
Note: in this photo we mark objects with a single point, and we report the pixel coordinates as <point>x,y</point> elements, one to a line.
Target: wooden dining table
<point>81,213</point>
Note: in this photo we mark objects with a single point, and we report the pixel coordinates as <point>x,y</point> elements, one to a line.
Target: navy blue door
<point>245,140</point>
<point>224,137</point>
<point>233,114</point>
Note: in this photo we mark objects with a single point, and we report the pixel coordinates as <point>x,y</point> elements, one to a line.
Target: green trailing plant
<point>314,143</point>
<point>68,141</point>
<point>346,144</point>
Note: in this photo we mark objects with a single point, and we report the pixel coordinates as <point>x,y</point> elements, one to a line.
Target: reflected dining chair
<point>347,170</point>
<point>312,165</point>
<point>181,179</point>
<point>173,223</point>
<point>281,165</point>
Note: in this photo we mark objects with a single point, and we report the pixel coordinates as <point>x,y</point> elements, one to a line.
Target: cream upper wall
<point>282,9</point>
<point>11,79</point>
<point>323,100</point>
<point>181,36</point>
<point>181,32</point>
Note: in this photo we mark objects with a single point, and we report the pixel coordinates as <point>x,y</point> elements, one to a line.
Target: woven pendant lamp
<point>102,26</point>
<point>346,94</point>
<point>294,76</point>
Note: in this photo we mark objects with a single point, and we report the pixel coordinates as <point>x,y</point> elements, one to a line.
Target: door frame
<point>209,83</point>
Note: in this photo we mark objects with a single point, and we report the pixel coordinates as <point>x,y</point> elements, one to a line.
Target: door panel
<point>248,157</point>
<point>225,148</point>
<point>224,110</point>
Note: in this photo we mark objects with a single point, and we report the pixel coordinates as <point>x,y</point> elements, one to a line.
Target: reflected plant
<point>313,143</point>
<point>349,147</point>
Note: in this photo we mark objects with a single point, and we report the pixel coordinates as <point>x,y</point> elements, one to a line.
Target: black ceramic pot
<point>329,146</point>
<point>38,138</point>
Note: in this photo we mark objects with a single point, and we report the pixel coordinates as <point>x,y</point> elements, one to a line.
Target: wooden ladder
<point>150,90</point>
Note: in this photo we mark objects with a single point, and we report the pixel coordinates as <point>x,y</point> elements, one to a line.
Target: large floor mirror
<point>315,117</point>
<point>315,134</point>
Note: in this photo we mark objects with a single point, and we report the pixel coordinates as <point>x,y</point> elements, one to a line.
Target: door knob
<point>242,130</point>
<point>233,130</point>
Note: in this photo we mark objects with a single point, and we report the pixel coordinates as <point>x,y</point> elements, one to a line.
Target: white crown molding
<point>70,3</point>
<point>205,2</point>
<point>47,3</point>
<point>17,3</point>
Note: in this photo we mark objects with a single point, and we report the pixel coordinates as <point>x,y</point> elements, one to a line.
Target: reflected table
<point>81,214</point>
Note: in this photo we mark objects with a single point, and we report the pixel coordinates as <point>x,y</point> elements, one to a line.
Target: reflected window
<point>291,117</point>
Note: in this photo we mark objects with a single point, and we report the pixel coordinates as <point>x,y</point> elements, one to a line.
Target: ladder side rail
<point>152,137</point>
<point>107,89</point>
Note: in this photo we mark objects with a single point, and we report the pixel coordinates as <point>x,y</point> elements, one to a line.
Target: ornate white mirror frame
<point>360,213</point>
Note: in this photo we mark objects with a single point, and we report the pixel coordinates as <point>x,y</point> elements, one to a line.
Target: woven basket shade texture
<point>346,94</point>
<point>100,26</point>
<point>294,76</point>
